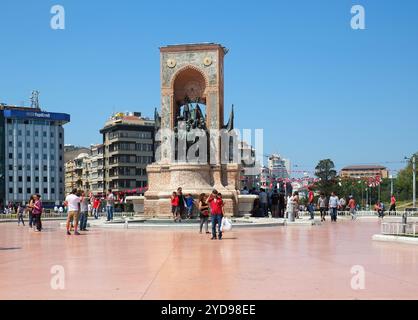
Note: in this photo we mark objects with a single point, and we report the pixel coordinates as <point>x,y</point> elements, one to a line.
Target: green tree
<point>403,182</point>
<point>325,171</point>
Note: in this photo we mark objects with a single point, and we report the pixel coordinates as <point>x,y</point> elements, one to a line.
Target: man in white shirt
<point>333,206</point>
<point>72,202</point>
<point>110,205</point>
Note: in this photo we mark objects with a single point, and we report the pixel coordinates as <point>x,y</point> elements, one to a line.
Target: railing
<point>400,229</point>
<point>58,216</point>
<point>369,213</point>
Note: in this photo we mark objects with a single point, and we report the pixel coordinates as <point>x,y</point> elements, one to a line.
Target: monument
<point>189,150</point>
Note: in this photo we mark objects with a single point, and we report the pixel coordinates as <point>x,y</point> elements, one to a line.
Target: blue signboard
<point>39,115</point>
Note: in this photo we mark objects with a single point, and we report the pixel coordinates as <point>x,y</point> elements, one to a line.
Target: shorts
<point>74,215</point>
<point>175,210</point>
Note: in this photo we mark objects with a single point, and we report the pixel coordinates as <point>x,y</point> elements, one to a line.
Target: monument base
<point>194,179</point>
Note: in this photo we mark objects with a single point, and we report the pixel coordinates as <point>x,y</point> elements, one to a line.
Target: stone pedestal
<point>138,203</point>
<point>246,205</point>
<point>194,179</point>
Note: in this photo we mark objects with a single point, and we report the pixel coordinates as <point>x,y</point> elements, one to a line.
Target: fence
<point>369,213</point>
<point>58,216</point>
<point>400,229</point>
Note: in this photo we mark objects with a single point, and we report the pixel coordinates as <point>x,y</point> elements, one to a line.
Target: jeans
<point>189,211</point>
<point>311,210</point>
<point>31,220</point>
<point>95,213</point>
<point>37,221</point>
<point>83,220</point>
<point>264,208</point>
<point>216,219</point>
<point>20,219</point>
<point>334,213</point>
<point>204,221</point>
<point>109,210</point>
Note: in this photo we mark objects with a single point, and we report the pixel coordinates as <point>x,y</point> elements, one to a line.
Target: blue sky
<point>295,68</point>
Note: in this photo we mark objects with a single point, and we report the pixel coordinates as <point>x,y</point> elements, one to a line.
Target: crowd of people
<point>209,207</point>
<point>277,204</point>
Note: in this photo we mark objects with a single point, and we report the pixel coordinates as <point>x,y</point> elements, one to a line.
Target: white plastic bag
<point>226,225</point>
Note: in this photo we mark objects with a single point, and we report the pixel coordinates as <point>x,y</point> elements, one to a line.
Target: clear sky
<point>295,68</point>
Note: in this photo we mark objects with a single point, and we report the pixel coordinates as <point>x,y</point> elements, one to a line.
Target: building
<point>365,171</point>
<point>279,167</point>
<point>128,147</point>
<point>85,171</point>
<point>31,154</point>
<point>71,152</point>
<point>251,168</point>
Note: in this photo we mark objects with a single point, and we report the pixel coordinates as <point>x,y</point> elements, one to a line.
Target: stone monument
<point>189,154</point>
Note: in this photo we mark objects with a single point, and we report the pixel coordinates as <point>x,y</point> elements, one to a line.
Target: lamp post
<point>414,180</point>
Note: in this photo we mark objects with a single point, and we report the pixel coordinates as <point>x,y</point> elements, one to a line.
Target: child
<point>175,207</point>
<point>189,206</point>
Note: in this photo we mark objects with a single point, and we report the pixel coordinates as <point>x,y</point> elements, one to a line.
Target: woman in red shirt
<point>175,210</point>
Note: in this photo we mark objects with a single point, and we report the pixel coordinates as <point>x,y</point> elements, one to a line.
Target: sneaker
<point>68,233</point>
<point>213,238</point>
<point>77,233</point>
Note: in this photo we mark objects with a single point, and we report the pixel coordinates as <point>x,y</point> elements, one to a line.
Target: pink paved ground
<point>270,263</point>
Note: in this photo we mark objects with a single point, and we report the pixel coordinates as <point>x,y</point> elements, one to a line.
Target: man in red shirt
<point>392,204</point>
<point>216,205</point>
<point>352,205</point>
<point>311,207</point>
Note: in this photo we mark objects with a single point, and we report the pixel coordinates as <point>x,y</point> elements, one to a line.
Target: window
<point>45,168</point>
<point>52,157</point>
<point>44,144</point>
<point>45,190</point>
<point>36,190</point>
<point>10,190</point>
<point>10,179</point>
<point>53,179</point>
<point>45,179</point>
<point>36,168</point>
<point>27,132</point>
<point>28,167</point>
<point>20,190</point>
<point>36,144</point>
<point>10,144</point>
<point>19,167</point>
<point>29,190</point>
<point>19,144</point>
<point>10,155</point>
<point>19,132</point>
<point>10,167</point>
<point>44,134</point>
<point>60,135</point>
<point>37,180</point>
<point>36,156</point>
<point>28,179</point>
<point>27,144</point>
<point>52,146</point>
<point>45,157</point>
<point>52,134</point>
<point>20,179</point>
<point>53,190</point>
<point>36,134</point>
<point>28,156</point>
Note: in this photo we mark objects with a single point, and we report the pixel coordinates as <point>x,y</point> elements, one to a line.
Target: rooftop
<point>365,167</point>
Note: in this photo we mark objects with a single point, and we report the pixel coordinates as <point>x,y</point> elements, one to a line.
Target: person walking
<point>392,204</point>
<point>204,213</point>
<point>29,210</point>
<point>37,212</point>
<point>96,207</point>
<point>311,206</point>
<point>322,205</point>
<point>110,205</point>
<point>84,211</point>
<point>20,214</point>
<point>72,202</point>
<point>333,206</point>
<point>282,204</point>
<point>352,205</point>
<point>216,205</point>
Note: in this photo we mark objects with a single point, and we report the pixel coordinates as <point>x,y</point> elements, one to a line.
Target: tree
<point>403,183</point>
<point>325,171</point>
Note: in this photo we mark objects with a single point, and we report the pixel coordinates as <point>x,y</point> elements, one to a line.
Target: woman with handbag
<point>204,213</point>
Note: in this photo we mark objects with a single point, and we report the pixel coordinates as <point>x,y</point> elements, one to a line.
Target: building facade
<point>279,168</point>
<point>32,154</point>
<point>365,171</point>
<point>128,148</point>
